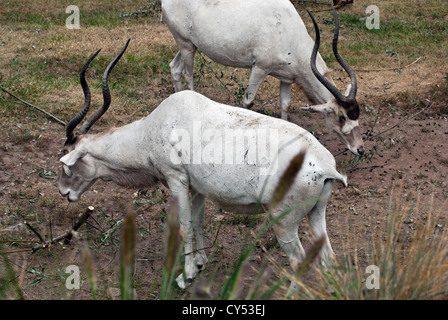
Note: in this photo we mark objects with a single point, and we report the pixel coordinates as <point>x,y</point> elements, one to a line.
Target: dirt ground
<point>407,144</point>
<point>415,161</point>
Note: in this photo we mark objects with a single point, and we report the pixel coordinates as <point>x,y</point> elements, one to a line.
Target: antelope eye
<point>342,118</point>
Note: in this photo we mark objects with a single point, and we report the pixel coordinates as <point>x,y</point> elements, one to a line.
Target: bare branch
<point>388,69</point>
<point>33,106</point>
<point>34,231</point>
<point>69,234</point>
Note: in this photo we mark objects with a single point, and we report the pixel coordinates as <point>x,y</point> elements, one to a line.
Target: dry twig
<point>388,69</point>
<point>67,236</point>
<point>33,106</point>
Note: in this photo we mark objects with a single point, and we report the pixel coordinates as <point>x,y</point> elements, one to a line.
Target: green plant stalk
<point>8,282</point>
<point>127,257</point>
<point>88,264</point>
<point>173,248</point>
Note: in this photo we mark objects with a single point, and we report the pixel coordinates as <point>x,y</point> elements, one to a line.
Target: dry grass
<point>37,46</point>
<point>411,257</point>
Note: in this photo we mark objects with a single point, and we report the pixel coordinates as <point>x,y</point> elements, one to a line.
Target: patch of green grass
<point>24,15</point>
<point>155,63</point>
<point>33,76</point>
<point>410,31</point>
<point>20,19</point>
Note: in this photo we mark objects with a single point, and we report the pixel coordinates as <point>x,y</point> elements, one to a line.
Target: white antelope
<point>270,37</point>
<point>183,144</point>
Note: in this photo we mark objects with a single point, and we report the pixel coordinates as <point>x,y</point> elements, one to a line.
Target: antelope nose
<point>361,151</point>
<point>64,193</point>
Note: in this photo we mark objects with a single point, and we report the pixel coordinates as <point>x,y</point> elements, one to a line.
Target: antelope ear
<point>67,170</point>
<point>70,158</point>
<point>347,91</point>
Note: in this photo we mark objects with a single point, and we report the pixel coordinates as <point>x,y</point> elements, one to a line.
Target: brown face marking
<point>351,106</point>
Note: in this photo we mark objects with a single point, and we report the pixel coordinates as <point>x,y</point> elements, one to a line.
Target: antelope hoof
<point>183,282</point>
<point>248,105</point>
<point>200,261</point>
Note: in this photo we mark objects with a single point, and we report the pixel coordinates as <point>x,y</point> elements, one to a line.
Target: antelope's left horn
<point>327,84</point>
<point>85,88</point>
<point>106,94</point>
<point>342,62</point>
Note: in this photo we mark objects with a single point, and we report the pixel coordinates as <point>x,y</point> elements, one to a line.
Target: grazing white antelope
<point>270,37</point>
<point>232,156</point>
